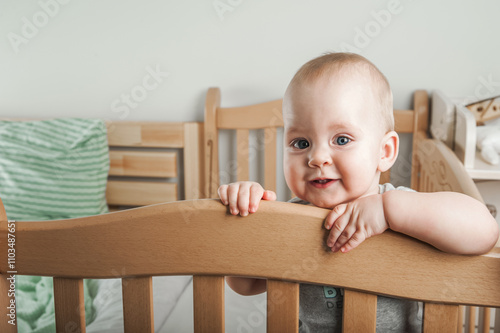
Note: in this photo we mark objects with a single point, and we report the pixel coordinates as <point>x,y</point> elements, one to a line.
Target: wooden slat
<point>470,319</point>
<point>403,121</point>
<point>251,117</point>
<point>242,170</point>
<point>270,157</point>
<point>146,134</point>
<point>440,318</point>
<point>484,320</point>
<point>193,157</point>
<point>359,312</point>
<point>138,304</point>
<point>143,164</point>
<point>385,177</point>
<point>211,143</point>
<point>497,320</point>
<point>420,126</point>
<point>208,307</point>
<point>282,306</point>
<point>69,305</point>
<point>460,319</point>
<point>134,193</point>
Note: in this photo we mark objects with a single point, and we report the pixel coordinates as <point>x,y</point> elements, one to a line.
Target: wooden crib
<point>199,237</point>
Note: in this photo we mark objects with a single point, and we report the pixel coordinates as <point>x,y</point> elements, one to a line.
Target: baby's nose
<point>319,157</point>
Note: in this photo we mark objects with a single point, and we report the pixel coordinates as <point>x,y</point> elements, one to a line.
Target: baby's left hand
<point>350,224</point>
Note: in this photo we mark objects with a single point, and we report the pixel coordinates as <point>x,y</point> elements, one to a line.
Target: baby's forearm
<point>452,222</point>
<point>246,286</point>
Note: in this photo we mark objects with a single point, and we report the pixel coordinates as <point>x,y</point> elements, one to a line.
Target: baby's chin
<point>323,203</point>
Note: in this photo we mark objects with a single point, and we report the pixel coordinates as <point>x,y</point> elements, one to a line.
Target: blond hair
<point>333,63</point>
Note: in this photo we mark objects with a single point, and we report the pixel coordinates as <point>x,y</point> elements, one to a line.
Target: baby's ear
<point>389,148</point>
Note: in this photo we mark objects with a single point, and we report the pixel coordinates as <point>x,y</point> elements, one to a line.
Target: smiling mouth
<point>321,183</point>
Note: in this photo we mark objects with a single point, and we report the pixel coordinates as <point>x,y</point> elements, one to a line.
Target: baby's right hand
<point>244,197</point>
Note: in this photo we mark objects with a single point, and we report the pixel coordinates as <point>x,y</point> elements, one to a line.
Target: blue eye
<point>342,140</point>
<point>300,144</point>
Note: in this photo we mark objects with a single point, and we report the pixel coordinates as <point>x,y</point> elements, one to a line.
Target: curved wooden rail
<point>282,241</point>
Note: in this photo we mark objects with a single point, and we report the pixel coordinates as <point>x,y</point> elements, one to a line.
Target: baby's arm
<point>452,222</point>
<point>244,198</point>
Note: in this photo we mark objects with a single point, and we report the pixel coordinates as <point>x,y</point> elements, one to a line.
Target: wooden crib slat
<point>483,324</point>
<point>208,307</point>
<point>251,117</point>
<point>460,323</point>
<point>142,164</point>
<point>497,321</point>
<point>132,193</point>
<point>360,312</point>
<point>385,177</point>
<point>282,306</point>
<point>470,319</point>
<point>138,304</point>
<point>69,305</point>
<point>146,134</point>
<point>441,318</point>
<point>242,154</point>
<point>270,158</point>
<point>193,156</point>
<point>404,121</point>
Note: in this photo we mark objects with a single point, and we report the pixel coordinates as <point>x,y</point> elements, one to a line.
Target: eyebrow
<point>337,126</point>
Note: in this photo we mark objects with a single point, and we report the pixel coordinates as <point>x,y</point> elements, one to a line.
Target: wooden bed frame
<point>199,237</point>
<point>145,159</point>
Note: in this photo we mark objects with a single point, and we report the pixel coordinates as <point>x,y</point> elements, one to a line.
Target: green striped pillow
<point>53,169</point>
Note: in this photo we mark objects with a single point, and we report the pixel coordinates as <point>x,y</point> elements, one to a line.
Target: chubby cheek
<point>293,174</point>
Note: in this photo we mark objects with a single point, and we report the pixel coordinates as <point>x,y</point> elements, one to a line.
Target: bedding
<point>52,169</point>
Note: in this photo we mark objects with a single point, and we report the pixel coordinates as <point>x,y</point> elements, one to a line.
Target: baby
<point>338,138</point>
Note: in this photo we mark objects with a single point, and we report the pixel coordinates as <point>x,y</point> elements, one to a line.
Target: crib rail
<point>200,238</point>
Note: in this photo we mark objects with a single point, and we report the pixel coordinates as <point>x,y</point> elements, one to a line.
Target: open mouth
<point>322,182</point>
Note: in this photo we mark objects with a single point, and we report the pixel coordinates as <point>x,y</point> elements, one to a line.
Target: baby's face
<point>332,141</point>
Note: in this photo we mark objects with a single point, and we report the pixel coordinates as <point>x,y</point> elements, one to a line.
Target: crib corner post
<point>8,322</point>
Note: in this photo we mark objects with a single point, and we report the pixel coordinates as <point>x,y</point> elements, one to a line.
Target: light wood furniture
<point>199,237</point>
<point>145,159</point>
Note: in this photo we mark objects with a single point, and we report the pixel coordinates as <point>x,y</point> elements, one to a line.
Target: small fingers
<point>222,191</point>
<point>256,195</point>
<point>357,238</point>
<point>269,195</point>
<point>344,236</point>
<point>339,233</point>
<point>233,198</point>
<point>241,197</point>
<point>336,212</point>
